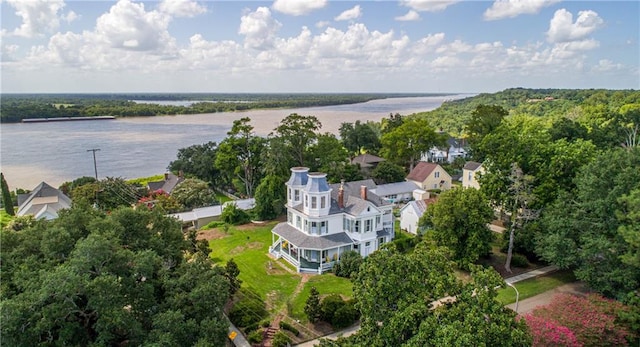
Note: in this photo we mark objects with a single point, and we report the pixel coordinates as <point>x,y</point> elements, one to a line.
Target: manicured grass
<point>144,180</point>
<point>535,286</point>
<point>248,247</point>
<point>325,284</point>
<point>222,198</point>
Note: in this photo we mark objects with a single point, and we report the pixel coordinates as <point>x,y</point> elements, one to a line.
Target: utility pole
<point>95,167</point>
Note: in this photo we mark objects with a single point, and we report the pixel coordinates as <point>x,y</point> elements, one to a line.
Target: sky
<point>58,46</point>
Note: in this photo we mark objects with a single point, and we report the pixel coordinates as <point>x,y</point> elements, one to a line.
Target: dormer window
<point>314,202</point>
<point>297,195</point>
<point>323,202</point>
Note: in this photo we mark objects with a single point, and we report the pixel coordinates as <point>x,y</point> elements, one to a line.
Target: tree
<point>399,301</point>
<point>630,117</point>
<point>108,193</point>
<point>270,198</point>
<point>161,201</point>
<point>590,321</point>
<point>197,161</point>
<point>7,202</point>
<point>520,210</point>
<point>458,220</point>
<point>298,132</point>
<point>484,120</point>
<point>231,214</point>
<point>88,278</point>
<point>629,217</point>
<point>394,121</point>
<point>580,231</point>
<point>232,271</point>
<point>348,265</point>
<point>388,172</point>
<point>68,187</point>
<point>329,156</point>
<point>357,137</point>
<point>405,144</point>
<point>239,155</point>
<point>193,193</point>
<point>312,305</point>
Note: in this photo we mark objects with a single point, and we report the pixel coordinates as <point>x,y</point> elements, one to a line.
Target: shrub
<point>286,326</point>
<point>549,333</point>
<point>214,224</point>
<point>348,265</point>
<point>329,306</point>
<point>280,339</point>
<point>251,327</point>
<point>265,323</point>
<point>312,306</point>
<point>519,260</point>
<point>345,316</point>
<point>255,336</point>
<point>234,215</point>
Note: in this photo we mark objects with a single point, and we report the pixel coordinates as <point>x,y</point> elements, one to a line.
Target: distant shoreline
<point>65,119</point>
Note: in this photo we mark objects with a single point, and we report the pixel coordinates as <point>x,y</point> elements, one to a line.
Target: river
<point>56,152</point>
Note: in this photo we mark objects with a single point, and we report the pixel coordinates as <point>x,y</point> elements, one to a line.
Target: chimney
<point>166,176</point>
<point>363,192</point>
<point>341,195</point>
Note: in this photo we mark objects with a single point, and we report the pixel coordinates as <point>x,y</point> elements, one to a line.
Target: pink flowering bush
<point>571,320</point>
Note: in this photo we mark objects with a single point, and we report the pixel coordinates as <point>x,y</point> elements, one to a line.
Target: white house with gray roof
<point>324,221</point>
<point>43,202</point>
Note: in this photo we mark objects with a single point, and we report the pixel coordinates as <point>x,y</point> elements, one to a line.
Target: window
<point>437,174</point>
<point>323,202</point>
<point>367,225</point>
<point>381,241</point>
<point>306,226</point>
<point>469,176</point>
<point>314,228</point>
<point>435,186</point>
<point>356,229</point>
<point>314,203</point>
<point>297,195</point>
<point>378,220</point>
<point>289,193</point>
<point>323,227</point>
<point>290,217</point>
<point>355,247</point>
<point>367,244</point>
<point>306,200</point>
<point>298,222</point>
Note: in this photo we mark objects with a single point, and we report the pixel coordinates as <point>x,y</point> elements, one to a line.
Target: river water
<point>56,152</point>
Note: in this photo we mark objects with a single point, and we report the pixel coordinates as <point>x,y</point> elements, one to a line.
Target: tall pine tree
<point>6,196</point>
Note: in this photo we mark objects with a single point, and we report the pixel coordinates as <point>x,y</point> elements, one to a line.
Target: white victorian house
<point>324,221</point>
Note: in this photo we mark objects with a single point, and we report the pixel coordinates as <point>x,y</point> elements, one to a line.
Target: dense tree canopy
<point>359,137</point>
<point>88,278</point>
<point>458,220</point>
<point>197,161</point>
<point>406,144</point>
<point>582,231</point>
<point>398,297</point>
<point>193,193</point>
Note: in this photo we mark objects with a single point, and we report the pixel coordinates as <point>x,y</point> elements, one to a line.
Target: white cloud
<point>70,17</point>
<point>428,5</point>
<point>127,25</point>
<point>513,8</point>
<point>38,16</point>
<point>563,29</point>
<point>259,28</point>
<point>181,8</point>
<point>605,65</point>
<point>298,7</point>
<point>353,13</point>
<point>8,53</point>
<point>322,24</point>
<point>409,16</point>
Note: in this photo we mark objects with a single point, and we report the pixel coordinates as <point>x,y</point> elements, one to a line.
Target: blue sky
<point>317,45</point>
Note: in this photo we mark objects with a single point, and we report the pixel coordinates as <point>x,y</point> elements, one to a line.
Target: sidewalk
<point>353,329</point>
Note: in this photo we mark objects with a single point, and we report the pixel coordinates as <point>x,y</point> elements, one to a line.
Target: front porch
<point>309,254</point>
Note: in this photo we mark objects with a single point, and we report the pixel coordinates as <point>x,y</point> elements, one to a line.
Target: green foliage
<point>193,193</point>
<point>485,119</point>
<point>345,315</point>
<point>213,224</point>
<point>519,260</point>
<point>232,272</point>
<point>7,202</point>
<point>281,339</point>
<point>458,220</point>
<point>117,278</point>
<point>298,133</point>
<point>388,172</point>
<point>581,231</point>
<point>330,304</point>
<point>270,198</point>
<point>405,144</point>
<point>68,187</point>
<point>231,214</point>
<point>312,306</point>
<point>255,336</point>
<point>250,309</point>
<point>359,137</point>
<point>286,326</point>
<point>396,297</point>
<point>197,161</point>
<point>329,156</point>
<point>348,265</point>
<point>140,181</point>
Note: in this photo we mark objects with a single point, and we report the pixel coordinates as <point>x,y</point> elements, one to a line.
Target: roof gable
<point>421,171</point>
<point>471,165</point>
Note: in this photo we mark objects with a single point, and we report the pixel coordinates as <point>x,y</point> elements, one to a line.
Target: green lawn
<point>325,284</point>
<point>248,246</point>
<point>222,198</point>
<point>535,286</point>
